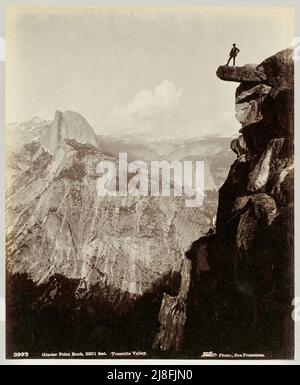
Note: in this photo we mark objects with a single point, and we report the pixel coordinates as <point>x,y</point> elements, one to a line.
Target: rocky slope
<point>237,282</point>
<point>86,263</point>
<point>57,224</point>
<point>18,134</point>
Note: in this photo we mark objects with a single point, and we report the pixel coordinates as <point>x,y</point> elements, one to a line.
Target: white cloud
<point>150,111</point>
<point>164,98</point>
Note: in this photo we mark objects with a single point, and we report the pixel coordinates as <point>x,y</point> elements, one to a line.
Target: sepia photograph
<point>149,182</point>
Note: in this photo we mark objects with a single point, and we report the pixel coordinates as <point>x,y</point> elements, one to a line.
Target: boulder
<point>279,70</point>
<point>247,73</point>
<point>239,147</point>
<point>249,102</point>
<point>266,166</point>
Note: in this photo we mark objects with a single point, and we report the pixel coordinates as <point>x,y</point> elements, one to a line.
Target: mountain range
<point>119,249</point>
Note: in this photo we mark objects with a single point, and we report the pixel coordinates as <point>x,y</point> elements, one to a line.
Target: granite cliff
<point>237,284</point>
<point>81,263</point>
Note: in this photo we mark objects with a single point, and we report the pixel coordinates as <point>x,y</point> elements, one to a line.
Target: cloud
<point>150,111</point>
<point>163,99</point>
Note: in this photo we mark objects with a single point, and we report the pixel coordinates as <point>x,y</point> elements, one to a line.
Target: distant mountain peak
<point>68,125</point>
<point>36,119</point>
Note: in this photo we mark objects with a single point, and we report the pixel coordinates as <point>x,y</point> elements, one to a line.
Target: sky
<point>139,70</point>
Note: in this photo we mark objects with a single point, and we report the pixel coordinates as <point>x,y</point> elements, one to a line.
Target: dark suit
<point>232,55</point>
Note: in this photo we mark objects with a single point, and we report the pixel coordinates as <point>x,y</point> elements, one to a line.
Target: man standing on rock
<point>233,54</point>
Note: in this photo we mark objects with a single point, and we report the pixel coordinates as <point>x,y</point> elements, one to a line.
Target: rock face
<point>57,224</point>
<point>86,264</point>
<point>68,125</point>
<point>18,134</point>
<point>248,73</point>
<point>236,295</point>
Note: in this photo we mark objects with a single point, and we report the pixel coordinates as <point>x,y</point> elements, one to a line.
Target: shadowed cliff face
<point>55,316</point>
<point>78,262</point>
<point>237,282</point>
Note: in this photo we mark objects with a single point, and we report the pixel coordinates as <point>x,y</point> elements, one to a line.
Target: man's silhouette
<point>232,54</point>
